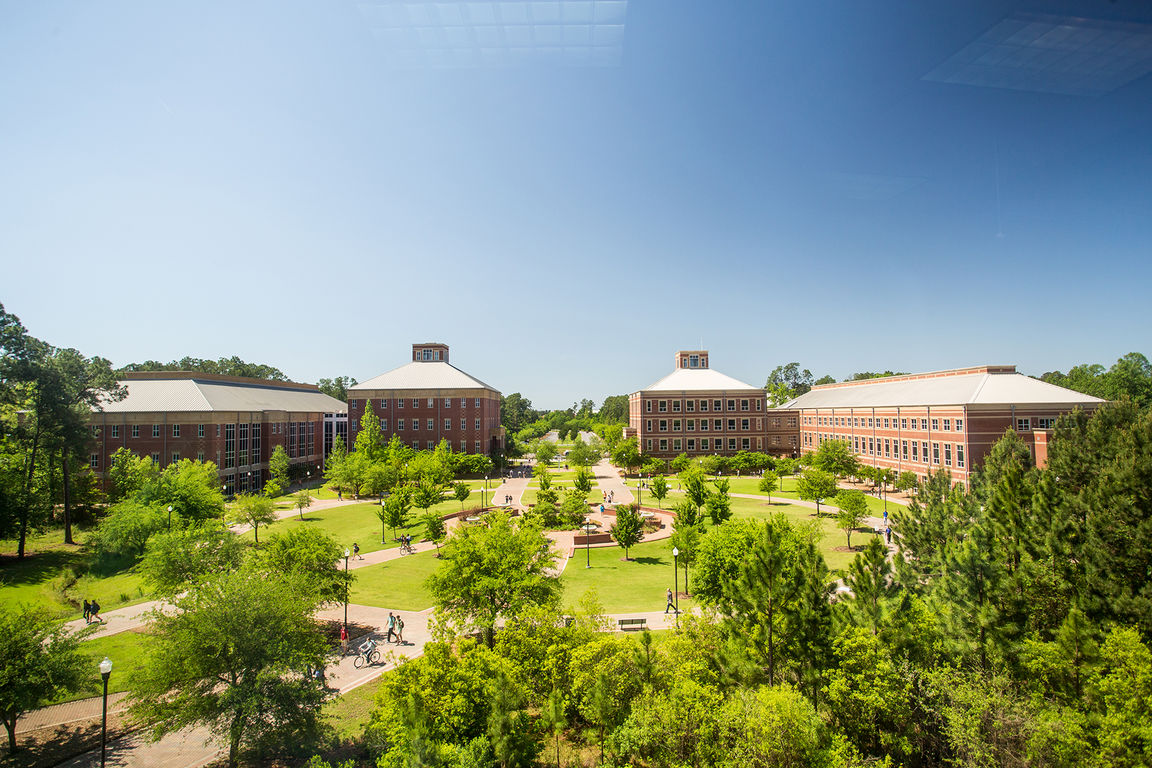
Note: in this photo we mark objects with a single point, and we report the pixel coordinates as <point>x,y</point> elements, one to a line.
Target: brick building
<point>699,411</point>
<point>233,421</point>
<point>940,420</point>
<point>427,400</point>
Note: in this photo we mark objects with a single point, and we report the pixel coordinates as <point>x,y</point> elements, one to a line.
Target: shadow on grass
<point>38,567</point>
<point>650,560</point>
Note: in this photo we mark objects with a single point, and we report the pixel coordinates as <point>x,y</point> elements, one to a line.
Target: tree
<point>394,511</point>
<point>126,528</point>
<point>626,454</point>
<point>659,489</point>
<point>867,697</point>
<point>428,493</point>
<point>181,557</point>
<point>334,472</point>
<point>719,505</point>
<point>434,529</point>
<point>835,457</point>
<point>719,556</point>
<point>815,485</point>
<point>129,473</point>
<point>582,455</point>
<point>628,530</point>
<point>870,585</point>
<point>301,500</point>
<point>460,492</point>
<point>852,510</point>
<point>544,451</point>
<point>769,483</point>
<point>337,387</point>
<point>191,488</point>
<point>230,657</point>
<point>39,661</point>
<point>225,366</point>
<point>905,481</point>
<point>582,482</point>
<point>686,538</point>
<point>695,490</point>
<point>278,470</point>
<point>614,410</point>
<point>681,463</point>
<point>516,412</point>
<point>254,511</point>
<point>787,382</point>
<point>493,571</point>
<point>370,440</point>
<point>552,714</point>
<point>307,556</point>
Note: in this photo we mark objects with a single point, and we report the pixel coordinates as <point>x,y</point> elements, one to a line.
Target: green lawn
<point>636,585</point>
<point>831,545</point>
<point>349,714</point>
<point>125,649</point>
<point>319,491</point>
<point>787,490</point>
<point>396,584</point>
<point>58,577</point>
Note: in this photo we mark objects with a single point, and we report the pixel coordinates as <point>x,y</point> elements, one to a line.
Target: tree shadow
<point>648,560</point>
<point>37,567</point>
<point>52,746</point>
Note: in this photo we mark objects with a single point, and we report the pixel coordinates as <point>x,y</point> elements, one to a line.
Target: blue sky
<point>307,185</point>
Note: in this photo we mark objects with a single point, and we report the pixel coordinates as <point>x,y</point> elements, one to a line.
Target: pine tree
<point>870,581</point>
<point>370,440</point>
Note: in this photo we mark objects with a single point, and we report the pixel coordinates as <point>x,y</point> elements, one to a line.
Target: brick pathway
<point>70,712</point>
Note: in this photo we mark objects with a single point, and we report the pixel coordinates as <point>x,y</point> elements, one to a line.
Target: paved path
<point>120,620</point>
<point>70,712</point>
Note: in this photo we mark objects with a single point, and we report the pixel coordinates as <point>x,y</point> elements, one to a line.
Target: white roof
<point>967,389</point>
<point>423,375</point>
<point>190,394</point>
<point>698,380</point>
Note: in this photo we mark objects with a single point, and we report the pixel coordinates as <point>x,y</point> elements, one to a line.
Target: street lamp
<point>587,538</point>
<point>676,583</point>
<point>105,672</point>
<point>639,493</point>
<point>169,517</point>
<point>483,493</point>
<point>383,522</point>
<point>346,554</point>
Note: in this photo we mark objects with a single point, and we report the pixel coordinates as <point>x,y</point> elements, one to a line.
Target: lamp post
<point>346,554</point>
<point>484,492</point>
<point>676,583</point>
<point>105,672</point>
<point>169,517</point>
<point>639,493</point>
<point>587,539</point>
<point>383,522</point>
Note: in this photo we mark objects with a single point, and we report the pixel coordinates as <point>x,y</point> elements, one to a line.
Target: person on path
<point>356,551</point>
<point>671,603</point>
<point>343,640</point>
<point>391,628</point>
<point>399,630</point>
<point>339,495</point>
<point>87,612</point>
<point>888,534</point>
<point>94,612</point>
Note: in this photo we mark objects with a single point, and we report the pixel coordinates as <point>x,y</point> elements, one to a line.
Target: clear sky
<point>568,192</point>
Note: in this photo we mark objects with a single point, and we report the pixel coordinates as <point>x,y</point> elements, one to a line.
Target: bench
<point>627,624</point>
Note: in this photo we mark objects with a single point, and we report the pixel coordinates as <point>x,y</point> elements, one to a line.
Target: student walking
<point>399,630</point>
<point>356,551</point>
<point>391,628</point>
<point>87,612</point>
<point>671,603</point>
<point>343,640</point>
<point>94,612</point>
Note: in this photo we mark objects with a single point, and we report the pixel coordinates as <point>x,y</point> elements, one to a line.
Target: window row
<point>400,402</point>
<point>885,423</point>
<point>401,424</point>
<point>706,444</point>
<point>706,425</point>
<point>889,448</point>
<point>689,406</point>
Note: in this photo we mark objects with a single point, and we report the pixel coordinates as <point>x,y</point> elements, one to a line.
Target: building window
<point>383,425</point>
<point>935,424</point>
<point>477,423</point>
<point>447,425</point>
<point>476,403</point>
<point>947,425</point>
<point>175,430</point>
<point>935,453</point>
<point>745,424</point>
<point>745,443</point>
<point>383,402</point>
<point>743,405</point>
<point>675,406</point>
<point>155,430</point>
<point>731,443</point>
<point>676,445</point>
<point>915,451</point>
<point>431,424</point>
<point>447,402</point>
<point>960,455</point>
<point>904,450</point>
<point>352,405</point>
<point>691,441</point>
<point>676,425</point>
<point>648,406</point>
<point>175,457</point>
<point>1040,424</point>
<point>856,444</point>
<point>353,424</point>
<point>871,447</point>
<point>94,461</point>
<point>718,425</point>
<point>648,425</point>
<point>114,430</point>
<point>664,445</point>
<point>199,430</point>
<point>691,426</point>
<point>463,424</point>
<point>703,443</point>
<point>885,423</point>
<point>1023,425</point>
<point>416,403</point>
<point>399,425</point>
<point>887,448</point>
<point>903,423</point>
<point>663,425</point>
<point>200,456</point>
<point>229,446</point>
<point>690,406</point>
<point>947,454</point>
<point>463,446</point>
<point>731,405</point>
<point>647,445</point>
<point>959,425</point>
<point>135,430</point>
<point>399,402</point>
<point>717,405</point>
<point>731,425</point>
<point>662,406</point>
<point>923,423</point>
<point>703,405</point>
<point>156,459</point>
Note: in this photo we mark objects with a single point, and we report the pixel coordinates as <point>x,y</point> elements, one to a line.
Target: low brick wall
<point>581,539</point>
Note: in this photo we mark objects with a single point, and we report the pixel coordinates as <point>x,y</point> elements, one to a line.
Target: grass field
<point>787,490</point>
<point>636,585</point>
<point>396,584</point>
<point>125,649</point>
<point>350,713</point>
<point>58,577</point>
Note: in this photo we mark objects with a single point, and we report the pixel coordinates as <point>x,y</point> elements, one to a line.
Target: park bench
<point>627,624</point>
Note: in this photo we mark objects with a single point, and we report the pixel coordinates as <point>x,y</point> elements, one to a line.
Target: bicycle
<point>367,657</point>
